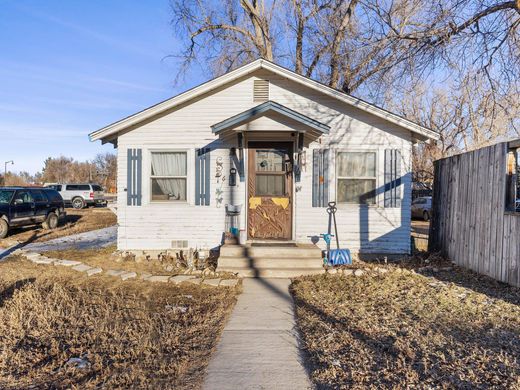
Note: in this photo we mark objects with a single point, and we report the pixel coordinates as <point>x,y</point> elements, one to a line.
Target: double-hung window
<point>356,177</point>
<point>169,176</point>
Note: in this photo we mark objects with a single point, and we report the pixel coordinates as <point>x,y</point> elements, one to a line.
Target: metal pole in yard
<point>5,170</point>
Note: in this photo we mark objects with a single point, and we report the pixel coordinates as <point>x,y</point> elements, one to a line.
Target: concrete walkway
<point>259,346</point>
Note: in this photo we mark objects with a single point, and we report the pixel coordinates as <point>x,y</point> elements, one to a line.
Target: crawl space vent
<point>179,244</point>
<point>260,90</point>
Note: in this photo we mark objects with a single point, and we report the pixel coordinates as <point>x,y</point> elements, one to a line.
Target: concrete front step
<point>275,272</point>
<point>270,262</point>
<point>300,251</point>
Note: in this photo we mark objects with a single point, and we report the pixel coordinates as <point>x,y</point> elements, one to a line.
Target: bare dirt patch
<point>454,330</point>
<point>125,334</point>
<point>76,221</point>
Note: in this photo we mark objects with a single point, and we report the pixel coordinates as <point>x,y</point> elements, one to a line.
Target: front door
<point>270,191</point>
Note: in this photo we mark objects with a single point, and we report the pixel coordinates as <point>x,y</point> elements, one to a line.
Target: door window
<point>270,172</point>
<point>38,196</point>
<point>23,196</point>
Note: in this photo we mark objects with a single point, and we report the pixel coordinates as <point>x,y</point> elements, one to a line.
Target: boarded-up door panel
<point>270,191</point>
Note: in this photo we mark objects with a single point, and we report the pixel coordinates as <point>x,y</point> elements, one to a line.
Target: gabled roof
<point>110,132</point>
<point>265,108</point>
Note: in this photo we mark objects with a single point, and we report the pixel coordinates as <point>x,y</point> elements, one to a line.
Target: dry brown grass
<point>132,333</point>
<point>76,221</point>
<point>410,331</point>
<point>104,258</point>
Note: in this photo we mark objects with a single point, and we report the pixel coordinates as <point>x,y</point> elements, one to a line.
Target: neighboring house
<point>278,146</point>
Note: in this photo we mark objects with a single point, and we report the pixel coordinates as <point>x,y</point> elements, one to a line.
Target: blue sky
<point>68,68</point>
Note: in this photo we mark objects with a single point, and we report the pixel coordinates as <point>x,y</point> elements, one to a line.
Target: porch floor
<point>259,348</point>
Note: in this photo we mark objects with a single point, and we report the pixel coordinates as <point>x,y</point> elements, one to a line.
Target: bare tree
<point>351,44</point>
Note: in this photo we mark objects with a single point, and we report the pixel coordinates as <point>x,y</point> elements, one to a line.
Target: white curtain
<point>356,164</point>
<point>170,164</point>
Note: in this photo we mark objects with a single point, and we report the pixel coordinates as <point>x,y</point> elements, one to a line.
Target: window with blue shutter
<point>320,177</point>
<point>392,178</point>
<point>134,177</point>
<point>202,177</point>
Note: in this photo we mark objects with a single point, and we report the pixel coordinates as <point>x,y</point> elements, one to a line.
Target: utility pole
<point>5,170</point>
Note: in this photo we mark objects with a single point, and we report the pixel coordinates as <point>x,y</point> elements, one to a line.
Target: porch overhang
<point>269,108</point>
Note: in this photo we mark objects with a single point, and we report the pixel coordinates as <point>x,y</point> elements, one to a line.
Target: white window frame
<point>187,176</point>
<point>376,177</point>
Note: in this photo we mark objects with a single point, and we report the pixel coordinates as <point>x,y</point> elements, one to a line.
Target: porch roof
<point>265,109</point>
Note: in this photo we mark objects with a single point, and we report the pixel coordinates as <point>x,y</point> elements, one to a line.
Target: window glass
<point>6,196</point>
<point>24,196</point>
<point>270,185</point>
<point>53,195</point>
<point>169,175</point>
<point>356,172</point>
<point>72,187</point>
<point>270,161</point>
<point>95,187</point>
<point>356,164</point>
<point>38,196</point>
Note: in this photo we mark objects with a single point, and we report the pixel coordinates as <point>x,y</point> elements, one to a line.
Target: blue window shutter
<point>392,178</point>
<point>320,177</point>
<point>202,177</point>
<point>134,174</point>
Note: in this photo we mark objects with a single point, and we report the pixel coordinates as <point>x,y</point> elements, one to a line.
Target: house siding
<point>372,229</point>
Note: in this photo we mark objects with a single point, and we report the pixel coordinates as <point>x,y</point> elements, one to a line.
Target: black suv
<point>21,206</point>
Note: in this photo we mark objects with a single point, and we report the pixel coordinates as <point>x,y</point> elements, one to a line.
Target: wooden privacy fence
<point>470,222</point>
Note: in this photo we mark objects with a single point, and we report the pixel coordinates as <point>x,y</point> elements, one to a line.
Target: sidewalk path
<point>259,345</point>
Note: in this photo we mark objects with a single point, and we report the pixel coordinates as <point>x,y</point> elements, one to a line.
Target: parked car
<point>422,208</point>
<point>80,196</point>
<point>22,206</point>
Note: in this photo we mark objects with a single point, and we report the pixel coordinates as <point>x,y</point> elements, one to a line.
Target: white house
<point>275,145</point>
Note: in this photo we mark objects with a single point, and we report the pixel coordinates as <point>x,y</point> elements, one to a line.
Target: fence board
<point>469,223</point>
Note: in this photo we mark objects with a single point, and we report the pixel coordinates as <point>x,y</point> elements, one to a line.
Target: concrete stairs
<point>271,261</point>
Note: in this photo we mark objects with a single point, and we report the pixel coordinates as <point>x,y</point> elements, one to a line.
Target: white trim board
<point>106,134</point>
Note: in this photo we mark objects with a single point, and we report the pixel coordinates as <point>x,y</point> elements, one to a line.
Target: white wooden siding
<point>372,229</point>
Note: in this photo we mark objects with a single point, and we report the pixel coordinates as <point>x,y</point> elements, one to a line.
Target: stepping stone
<point>211,282</point>
<point>67,263</point>
<point>115,272</point>
<point>358,272</point>
<point>348,272</point>
<point>229,282</point>
<point>94,271</point>
<point>81,267</point>
<point>195,281</point>
<point>128,275</point>
<point>181,278</point>
<point>158,278</point>
<point>42,260</point>
<point>145,276</point>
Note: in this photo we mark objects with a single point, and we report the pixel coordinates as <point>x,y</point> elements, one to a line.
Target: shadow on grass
<point>479,283</point>
<point>386,348</point>
<point>8,293</point>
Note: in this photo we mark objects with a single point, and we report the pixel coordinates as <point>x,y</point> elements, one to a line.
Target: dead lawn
<point>76,221</point>
<point>132,334</point>
<point>454,330</point>
<point>105,258</point>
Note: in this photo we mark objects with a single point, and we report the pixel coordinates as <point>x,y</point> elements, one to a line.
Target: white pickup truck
<point>80,195</point>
